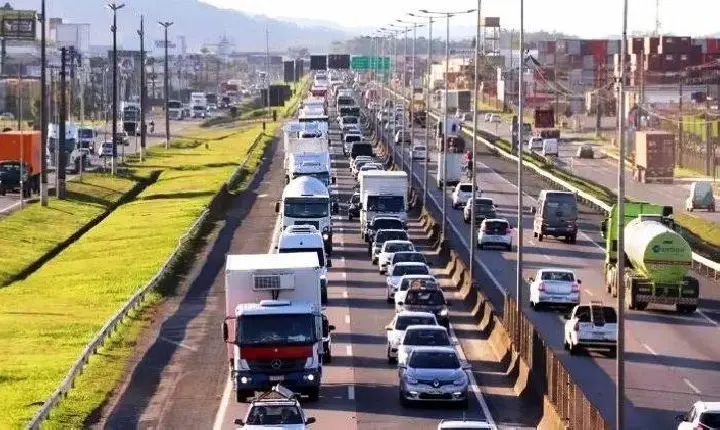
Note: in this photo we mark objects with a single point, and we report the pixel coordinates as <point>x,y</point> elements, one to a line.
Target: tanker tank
<point>658,253</point>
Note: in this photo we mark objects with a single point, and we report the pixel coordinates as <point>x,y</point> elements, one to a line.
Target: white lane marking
<point>546,257</point>
<point>473,383</point>
<point>180,344</point>
<point>351,392</point>
<point>646,346</point>
<point>347,319</point>
<point>348,350</point>
<point>225,400</point>
<point>262,196</point>
<point>588,292</point>
<point>344,275</point>
<point>10,208</point>
<point>692,387</point>
<point>345,294</point>
<point>710,320</point>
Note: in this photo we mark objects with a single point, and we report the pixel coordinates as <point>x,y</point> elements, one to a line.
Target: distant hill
<point>198,22</point>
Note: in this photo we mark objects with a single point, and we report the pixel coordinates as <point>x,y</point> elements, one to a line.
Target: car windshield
<point>434,360</point>
<point>386,203</point>
<point>467,188</point>
<point>384,236</point>
<point>13,168</point>
<point>415,269</point>
<point>426,337</point>
<point>280,329</point>
<point>419,148</point>
<point>557,276</point>
<point>271,415</point>
<point>198,108</point>
<point>710,420</point>
<point>395,247</point>
<point>413,257</point>
<point>349,120</point>
<point>387,224</point>
<point>349,138</point>
<point>428,284</point>
<point>404,322</point>
<point>85,133</point>
<point>424,298</point>
<point>306,209</point>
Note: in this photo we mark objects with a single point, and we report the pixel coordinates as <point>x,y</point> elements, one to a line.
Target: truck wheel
<point>573,238</point>
<point>2,191</point>
<point>630,293</point>
<point>572,349</point>
<point>241,396</point>
<point>540,237</point>
<point>313,394</point>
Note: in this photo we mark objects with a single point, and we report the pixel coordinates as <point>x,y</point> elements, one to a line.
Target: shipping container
<point>561,46</point>
<point>588,77</point>
<point>573,48</point>
<point>674,44</point>
<point>636,45</point>
<point>654,154</point>
<point>701,44</point>
<point>598,48</point>
<point>713,46</point>
<point>710,57</point>
<point>588,62</point>
<point>613,47</point>
<point>585,47</point>
<point>651,45</point>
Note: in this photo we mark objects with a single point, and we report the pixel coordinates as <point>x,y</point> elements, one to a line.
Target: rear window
<point>361,149</point>
<point>349,120</point>
<point>557,276</point>
<point>349,138</point>
<point>405,321</point>
<point>561,204</point>
<point>414,257</point>
<point>710,419</point>
<point>426,338</point>
<point>384,236</point>
<point>396,247</point>
<point>410,270</point>
<point>387,224</point>
<point>496,227</point>
<point>610,315</point>
<point>429,284</point>
<point>424,297</point>
<point>466,188</point>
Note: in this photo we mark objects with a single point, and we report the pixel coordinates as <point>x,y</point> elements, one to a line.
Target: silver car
<point>434,374</point>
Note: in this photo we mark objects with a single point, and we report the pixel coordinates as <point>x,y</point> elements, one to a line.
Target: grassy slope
<point>32,232</point>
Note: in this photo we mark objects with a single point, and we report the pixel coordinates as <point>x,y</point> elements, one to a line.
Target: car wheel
<point>403,401</point>
<point>391,360</point>
<point>540,237</point>
<point>327,358</point>
<point>467,220</point>
<point>508,248</point>
<point>572,349</point>
<point>481,246</point>
<point>374,261</point>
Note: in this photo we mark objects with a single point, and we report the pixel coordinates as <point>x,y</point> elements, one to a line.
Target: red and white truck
<point>273,322</point>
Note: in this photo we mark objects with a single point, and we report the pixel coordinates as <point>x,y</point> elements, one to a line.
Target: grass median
<point>47,319</point>
<point>31,233</point>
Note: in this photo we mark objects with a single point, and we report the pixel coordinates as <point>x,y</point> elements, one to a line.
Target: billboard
<point>338,61</point>
<point>126,61</point>
<point>277,95</point>
<point>18,24</point>
<point>299,69</point>
<point>318,62</point>
<point>289,71</point>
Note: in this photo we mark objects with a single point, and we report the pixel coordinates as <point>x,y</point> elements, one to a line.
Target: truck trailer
<point>273,323</point>
<point>382,193</point>
<point>20,158</point>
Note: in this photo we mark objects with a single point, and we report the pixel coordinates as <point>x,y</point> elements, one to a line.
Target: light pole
<point>113,166</point>
<point>43,111</point>
<point>166,79</point>
<point>619,279</point>
<point>143,88</point>
<point>473,226</point>
<point>521,107</point>
<point>411,102</point>
<point>405,30</point>
<point>447,16</point>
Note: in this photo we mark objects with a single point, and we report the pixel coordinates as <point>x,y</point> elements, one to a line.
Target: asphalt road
<point>670,360</point>
<point>11,202</point>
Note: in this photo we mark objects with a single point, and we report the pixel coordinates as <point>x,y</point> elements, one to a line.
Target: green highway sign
<point>370,63</point>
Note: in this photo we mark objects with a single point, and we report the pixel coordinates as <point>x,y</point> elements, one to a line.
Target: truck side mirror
<point>310,420</point>
<point>335,208</point>
<point>239,422</point>
<point>226,330</point>
<point>331,327</point>
<point>533,210</point>
<point>333,180</point>
<point>277,207</point>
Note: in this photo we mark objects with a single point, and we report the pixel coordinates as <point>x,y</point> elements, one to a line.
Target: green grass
<point>706,230</point>
<point>47,319</point>
<point>32,232</point>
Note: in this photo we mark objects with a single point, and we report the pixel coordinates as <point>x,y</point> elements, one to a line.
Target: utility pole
<point>473,226</point>
<point>22,142</point>
<point>520,206</point>
<point>555,78</point>
<point>445,126</point>
<point>709,151</point>
<point>681,134</point>
<point>620,278</point>
<point>598,95</point>
<point>166,78</point>
<point>60,148</point>
<point>427,111</point>
<point>113,166</point>
<point>143,88</point>
<point>267,69</point>
<point>43,111</point>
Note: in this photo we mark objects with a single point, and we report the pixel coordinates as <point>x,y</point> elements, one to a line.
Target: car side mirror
<point>239,422</point>
<point>331,327</point>
<point>277,207</point>
<point>388,328</point>
<point>579,281</point>
<point>329,263</point>
<point>310,420</point>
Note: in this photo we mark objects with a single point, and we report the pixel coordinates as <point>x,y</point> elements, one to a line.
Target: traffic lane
<point>376,380</point>
<point>596,384</point>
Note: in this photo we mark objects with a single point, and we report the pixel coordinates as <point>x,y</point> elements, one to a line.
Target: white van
<point>701,197</point>
<point>550,147</point>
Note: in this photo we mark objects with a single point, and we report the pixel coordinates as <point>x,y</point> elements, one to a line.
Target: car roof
<point>382,217</point>
<point>409,252</point>
<point>431,277</point>
<point>496,220</point>
<point>451,424</point>
<point>410,263</point>
<point>427,327</point>
<point>555,269</point>
<point>434,348</point>
<point>464,183</point>
<point>398,242</point>
<point>414,314</point>
<point>707,406</point>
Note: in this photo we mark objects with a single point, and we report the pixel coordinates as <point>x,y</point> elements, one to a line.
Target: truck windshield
<point>85,133</point>
<point>174,105</point>
<point>69,144</point>
<point>306,208</point>
<point>276,329</point>
<point>323,177</point>
<point>320,253</point>
<point>386,204</point>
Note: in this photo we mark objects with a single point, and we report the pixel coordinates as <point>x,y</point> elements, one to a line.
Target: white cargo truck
<point>306,238</point>
<point>382,193</point>
<point>273,323</point>
<point>313,164</point>
<point>297,145</point>
<point>454,169</point>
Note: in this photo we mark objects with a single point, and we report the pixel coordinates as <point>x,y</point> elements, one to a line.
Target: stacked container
<point>674,44</point>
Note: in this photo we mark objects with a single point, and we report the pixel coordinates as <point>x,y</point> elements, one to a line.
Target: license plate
<point>275,378</point>
<point>433,391</point>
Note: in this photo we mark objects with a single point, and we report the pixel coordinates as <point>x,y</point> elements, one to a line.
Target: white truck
<point>306,200</point>
<point>382,193</point>
<point>454,169</point>
<point>299,145</point>
<point>175,110</point>
<point>315,164</point>
<point>306,238</point>
<point>273,323</point>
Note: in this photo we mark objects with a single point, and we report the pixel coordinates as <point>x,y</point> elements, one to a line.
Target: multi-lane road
<point>11,202</point>
<point>671,360</point>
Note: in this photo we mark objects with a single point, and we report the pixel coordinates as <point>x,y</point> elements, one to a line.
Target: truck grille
<point>272,366</point>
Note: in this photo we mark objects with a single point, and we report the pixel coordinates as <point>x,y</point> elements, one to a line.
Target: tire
<point>613,351</point>
<point>327,358</point>
<point>374,261</point>
<point>685,309</point>
<point>540,237</point>
<point>467,220</point>
<point>572,349</point>
<point>313,394</point>
<point>532,305</point>
<point>391,360</point>
<point>565,345</point>
<point>573,238</point>
<point>534,234</point>
<point>508,248</point>
<point>403,401</point>
<point>241,396</point>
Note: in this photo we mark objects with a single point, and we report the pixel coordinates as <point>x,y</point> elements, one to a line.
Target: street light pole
<point>166,79</point>
<point>473,226</point>
<point>44,192</point>
<point>113,167</point>
<point>427,112</point>
<point>444,126</point>
<point>143,88</point>
<point>521,107</point>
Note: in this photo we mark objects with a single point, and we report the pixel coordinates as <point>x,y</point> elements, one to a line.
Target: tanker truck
<point>657,260</point>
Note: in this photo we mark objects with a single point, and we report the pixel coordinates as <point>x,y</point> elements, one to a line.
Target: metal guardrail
<point>110,326</point>
<point>700,263</point>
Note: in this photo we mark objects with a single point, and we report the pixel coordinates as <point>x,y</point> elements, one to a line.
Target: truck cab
<point>175,110</point>
<point>306,200</point>
<point>382,193</point>
<point>273,324</point>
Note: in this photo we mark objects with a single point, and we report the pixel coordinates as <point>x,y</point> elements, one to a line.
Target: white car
<point>419,152</point>
<point>398,294</point>
<point>105,149</point>
<point>389,249</point>
<point>421,335</point>
<point>495,118</point>
<point>465,425</point>
<point>559,287</point>
<point>703,415</point>
<point>495,232</point>
<point>399,270</point>
<point>592,325</point>
<point>487,117</point>
<point>461,194</point>
<point>360,159</point>
<point>402,136</point>
<point>535,143</point>
<point>398,325</point>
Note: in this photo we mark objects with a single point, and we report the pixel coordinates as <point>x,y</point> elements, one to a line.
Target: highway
<point>11,202</point>
<point>183,377</point>
<point>670,359</point>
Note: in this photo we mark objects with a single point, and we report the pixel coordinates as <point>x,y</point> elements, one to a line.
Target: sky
<point>598,18</point>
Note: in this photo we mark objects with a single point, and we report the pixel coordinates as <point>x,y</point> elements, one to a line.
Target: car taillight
<point>576,327</point>
<point>541,287</point>
<point>575,288</point>
<point>508,230</point>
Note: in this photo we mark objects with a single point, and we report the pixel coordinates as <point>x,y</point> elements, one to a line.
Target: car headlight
<point>443,313</point>
<point>410,380</point>
<point>326,236</point>
<point>460,381</point>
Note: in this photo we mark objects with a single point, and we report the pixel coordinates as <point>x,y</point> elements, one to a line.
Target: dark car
<point>428,300</point>
<point>10,177</point>
<point>361,148</point>
<point>385,222</point>
<point>354,206</point>
<point>484,209</point>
